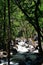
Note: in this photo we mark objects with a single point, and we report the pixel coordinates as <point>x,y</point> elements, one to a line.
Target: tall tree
<point>4,24</point>
<point>37,23</point>
<point>9,32</point>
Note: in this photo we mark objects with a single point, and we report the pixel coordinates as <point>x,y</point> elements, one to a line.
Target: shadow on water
<point>37,61</point>
<point>26,59</point>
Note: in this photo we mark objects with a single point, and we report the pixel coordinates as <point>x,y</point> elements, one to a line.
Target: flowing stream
<point>21,59</point>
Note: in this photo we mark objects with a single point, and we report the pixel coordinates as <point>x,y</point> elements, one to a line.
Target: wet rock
<point>22,63</point>
<point>14,51</point>
<point>0,61</point>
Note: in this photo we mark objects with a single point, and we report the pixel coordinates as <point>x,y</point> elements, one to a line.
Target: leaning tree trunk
<point>38,27</point>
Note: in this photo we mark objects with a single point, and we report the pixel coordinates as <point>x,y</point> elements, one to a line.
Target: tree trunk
<point>4,24</point>
<point>38,27</point>
<point>9,32</point>
<point>39,42</point>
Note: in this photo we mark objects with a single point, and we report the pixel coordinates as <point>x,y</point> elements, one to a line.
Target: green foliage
<point>18,20</point>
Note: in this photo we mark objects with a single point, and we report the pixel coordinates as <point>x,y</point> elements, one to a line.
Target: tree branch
<point>27,17</point>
